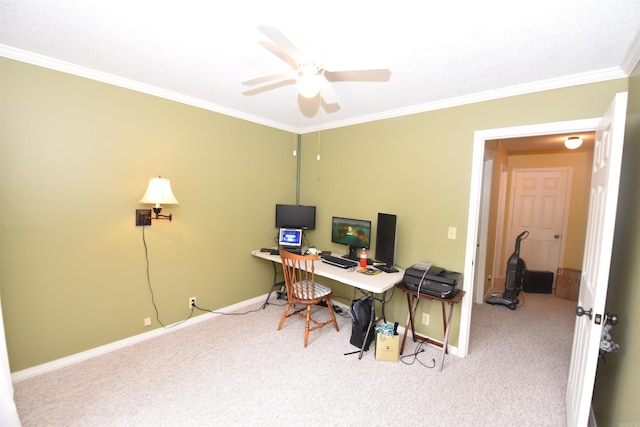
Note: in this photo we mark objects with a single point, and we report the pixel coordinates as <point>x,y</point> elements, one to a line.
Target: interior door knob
<point>581,312</point>
<point>556,236</point>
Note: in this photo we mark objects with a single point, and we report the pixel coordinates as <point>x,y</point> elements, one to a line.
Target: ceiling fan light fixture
<point>308,82</point>
<point>573,142</point>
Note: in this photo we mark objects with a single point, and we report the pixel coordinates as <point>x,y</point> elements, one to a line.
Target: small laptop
<point>291,240</point>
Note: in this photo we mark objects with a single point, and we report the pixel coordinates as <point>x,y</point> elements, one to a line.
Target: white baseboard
<point>117,345</point>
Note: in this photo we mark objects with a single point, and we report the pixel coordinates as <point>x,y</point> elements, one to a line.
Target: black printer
<point>435,281</point>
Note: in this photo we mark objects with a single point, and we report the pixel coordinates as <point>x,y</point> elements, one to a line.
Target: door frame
<point>498,270</point>
<point>483,230</point>
<point>473,223</point>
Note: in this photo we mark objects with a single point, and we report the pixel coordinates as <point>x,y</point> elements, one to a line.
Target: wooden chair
<point>299,279</point>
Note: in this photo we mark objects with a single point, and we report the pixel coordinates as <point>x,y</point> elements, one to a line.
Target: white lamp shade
<point>159,192</point>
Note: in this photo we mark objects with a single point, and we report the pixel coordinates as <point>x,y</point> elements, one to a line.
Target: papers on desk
<point>369,271</point>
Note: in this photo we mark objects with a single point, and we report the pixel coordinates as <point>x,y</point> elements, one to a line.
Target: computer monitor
<point>295,216</point>
<point>355,233</point>
<point>386,239</point>
<point>290,239</point>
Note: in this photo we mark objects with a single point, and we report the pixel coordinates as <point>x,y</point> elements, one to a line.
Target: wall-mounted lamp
<point>158,193</point>
<point>573,142</point>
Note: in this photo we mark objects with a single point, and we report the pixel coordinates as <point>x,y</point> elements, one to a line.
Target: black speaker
<point>537,282</point>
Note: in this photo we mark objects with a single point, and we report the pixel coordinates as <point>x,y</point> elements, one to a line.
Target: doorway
<point>513,136</point>
<point>540,199</point>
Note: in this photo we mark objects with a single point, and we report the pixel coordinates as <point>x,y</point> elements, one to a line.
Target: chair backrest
<point>298,269</point>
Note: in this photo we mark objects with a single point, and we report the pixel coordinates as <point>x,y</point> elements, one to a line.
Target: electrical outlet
<point>192,302</point>
<point>425,318</point>
<point>452,233</point>
<point>147,321</point>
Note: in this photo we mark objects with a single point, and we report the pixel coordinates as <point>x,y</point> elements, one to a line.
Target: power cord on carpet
<point>410,359</point>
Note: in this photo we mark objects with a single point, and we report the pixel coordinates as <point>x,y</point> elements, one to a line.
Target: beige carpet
<point>238,370</point>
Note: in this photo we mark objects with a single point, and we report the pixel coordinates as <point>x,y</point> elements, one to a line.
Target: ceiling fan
<point>308,74</point>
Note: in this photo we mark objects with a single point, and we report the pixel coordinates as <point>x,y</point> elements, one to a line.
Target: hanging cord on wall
<point>155,307</point>
<point>419,348</point>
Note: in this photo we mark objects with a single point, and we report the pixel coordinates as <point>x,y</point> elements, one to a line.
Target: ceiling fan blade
<point>267,78</point>
<point>283,42</point>
<point>280,53</point>
<point>373,75</point>
<point>268,87</point>
<point>327,92</point>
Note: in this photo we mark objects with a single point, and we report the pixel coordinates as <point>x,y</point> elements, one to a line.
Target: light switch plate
<point>452,233</point>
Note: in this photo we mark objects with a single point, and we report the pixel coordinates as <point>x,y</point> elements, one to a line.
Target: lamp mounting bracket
<point>143,217</point>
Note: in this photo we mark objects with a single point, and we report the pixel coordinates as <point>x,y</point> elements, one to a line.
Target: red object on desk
<point>363,258</point>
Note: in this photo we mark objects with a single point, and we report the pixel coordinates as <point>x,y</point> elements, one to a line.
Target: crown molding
<point>89,73</point>
<point>524,89</point>
<point>631,59</point>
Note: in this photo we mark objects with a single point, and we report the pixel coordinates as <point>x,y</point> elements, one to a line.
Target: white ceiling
<point>440,54</point>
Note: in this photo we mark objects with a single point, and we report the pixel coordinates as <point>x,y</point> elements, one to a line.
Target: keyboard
<point>338,261</point>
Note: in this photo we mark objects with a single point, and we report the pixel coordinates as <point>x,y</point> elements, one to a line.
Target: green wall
<point>76,156</point>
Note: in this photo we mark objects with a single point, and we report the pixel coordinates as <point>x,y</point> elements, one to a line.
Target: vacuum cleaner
<point>515,276</point>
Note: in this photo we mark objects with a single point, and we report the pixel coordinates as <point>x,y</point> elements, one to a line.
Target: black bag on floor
<point>360,313</point>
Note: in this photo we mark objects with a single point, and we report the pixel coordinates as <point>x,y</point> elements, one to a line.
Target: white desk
<point>377,284</point>
<point>369,284</point>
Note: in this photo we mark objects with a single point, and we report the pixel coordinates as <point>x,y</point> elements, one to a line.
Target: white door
<point>540,206</point>
<point>605,179</point>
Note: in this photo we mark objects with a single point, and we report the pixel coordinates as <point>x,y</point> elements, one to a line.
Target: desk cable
<point>419,348</point>
<point>415,308</point>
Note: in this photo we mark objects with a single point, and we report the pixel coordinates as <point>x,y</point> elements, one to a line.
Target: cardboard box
<point>387,347</point>
<point>568,284</point>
